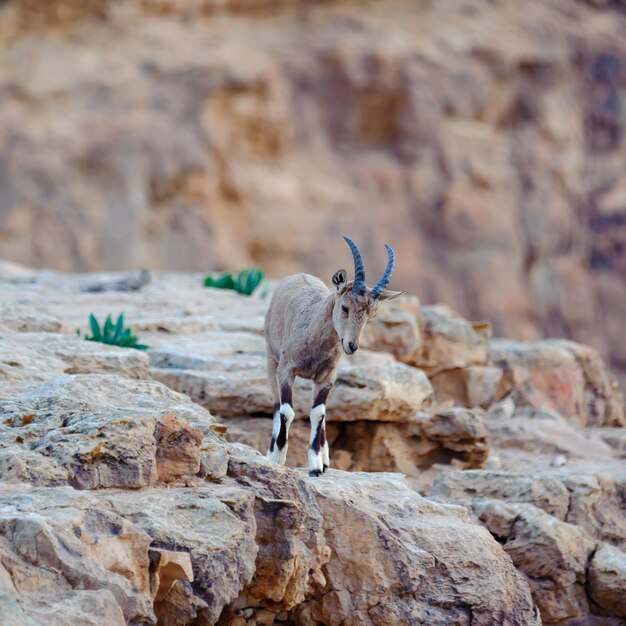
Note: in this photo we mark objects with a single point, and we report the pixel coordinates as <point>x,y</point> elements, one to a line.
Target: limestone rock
<point>177,448</point>
<point>23,319</point>
<point>57,543</point>
<point>292,544</point>
<point>227,374</point>
<point>607,579</point>
<point>545,433</point>
<point>455,436</point>
<point>223,550</point>
<point>450,341</point>
<point>382,527</point>
<point>98,431</point>
<point>553,555</point>
<point>166,567</point>
<point>562,376</point>
<point>475,385</point>
<point>544,492</point>
<point>180,607</point>
<point>35,357</point>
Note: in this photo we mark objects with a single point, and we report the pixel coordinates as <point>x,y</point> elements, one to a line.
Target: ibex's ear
<point>387,294</point>
<point>340,280</point>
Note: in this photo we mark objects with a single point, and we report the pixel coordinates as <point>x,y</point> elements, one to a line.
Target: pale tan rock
<point>613,437</point>
<point>39,356</point>
<point>289,524</point>
<point>607,579</point>
<point>562,376</point>
<point>179,607</point>
<point>226,372</point>
<point>213,461</point>
<point>545,433</point>
<point>59,541</point>
<point>553,555</point>
<point>223,550</point>
<point>450,341</point>
<point>23,319</point>
<point>166,567</point>
<point>385,512</point>
<point>545,492</point>
<point>178,448</point>
<point>99,431</point>
<point>472,386</point>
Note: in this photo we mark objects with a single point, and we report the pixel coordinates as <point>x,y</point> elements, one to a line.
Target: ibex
<point>306,327</point>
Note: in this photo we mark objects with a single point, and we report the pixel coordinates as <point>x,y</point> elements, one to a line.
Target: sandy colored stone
<point>180,607</point>
<point>385,513</point>
<point>166,567</point>
<point>562,376</point>
<point>98,431</point>
<point>178,448</point>
<point>226,372</point>
<point>23,319</point>
<point>39,356</point>
<point>553,555</point>
<point>456,436</point>
<point>607,579</point>
<point>475,385</point>
<point>58,541</point>
<point>450,341</point>
<point>544,492</point>
<point>545,433</point>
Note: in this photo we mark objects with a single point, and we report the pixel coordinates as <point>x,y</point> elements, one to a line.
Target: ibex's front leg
<point>318,444</point>
<point>283,416</point>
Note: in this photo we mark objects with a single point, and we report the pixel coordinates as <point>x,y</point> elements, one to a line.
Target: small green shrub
<point>245,282</point>
<point>113,334</point>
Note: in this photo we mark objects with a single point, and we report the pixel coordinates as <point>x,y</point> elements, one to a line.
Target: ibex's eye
<point>344,309</point>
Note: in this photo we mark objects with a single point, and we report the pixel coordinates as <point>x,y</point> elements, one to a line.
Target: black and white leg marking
<point>283,416</point>
<point>318,445</point>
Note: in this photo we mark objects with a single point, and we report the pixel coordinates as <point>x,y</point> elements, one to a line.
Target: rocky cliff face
<point>482,139</point>
<point>487,481</point>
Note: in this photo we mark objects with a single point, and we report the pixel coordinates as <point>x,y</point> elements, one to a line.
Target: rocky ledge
<point>486,482</point>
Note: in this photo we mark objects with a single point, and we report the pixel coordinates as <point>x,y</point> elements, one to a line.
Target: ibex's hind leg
<point>318,445</point>
<point>283,416</point>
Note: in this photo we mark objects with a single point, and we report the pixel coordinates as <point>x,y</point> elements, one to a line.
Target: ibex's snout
<point>350,347</point>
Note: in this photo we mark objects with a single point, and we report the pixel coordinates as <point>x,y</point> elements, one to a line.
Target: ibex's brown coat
<point>306,327</point>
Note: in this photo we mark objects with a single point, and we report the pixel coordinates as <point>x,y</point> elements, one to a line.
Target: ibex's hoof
<point>315,473</point>
<point>324,468</point>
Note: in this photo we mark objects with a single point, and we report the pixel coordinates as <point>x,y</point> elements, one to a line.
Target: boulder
<point>607,579</point>
<point>472,386</point>
<point>451,342</point>
<point>57,542</point>
<point>553,555</point>
<point>379,528</point>
<point>562,376</point>
<point>99,431</point>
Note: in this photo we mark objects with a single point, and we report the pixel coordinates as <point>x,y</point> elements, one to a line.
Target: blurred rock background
<point>483,139</point>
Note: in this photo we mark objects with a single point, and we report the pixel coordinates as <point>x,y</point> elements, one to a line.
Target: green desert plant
<point>245,282</point>
<point>113,334</point>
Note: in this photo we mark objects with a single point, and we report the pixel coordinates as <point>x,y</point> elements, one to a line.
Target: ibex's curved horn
<point>386,277</point>
<point>359,286</point>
